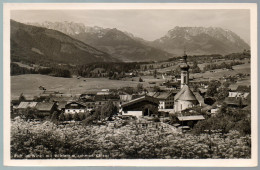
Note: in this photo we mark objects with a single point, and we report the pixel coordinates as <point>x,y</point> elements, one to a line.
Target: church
<point>185,98</point>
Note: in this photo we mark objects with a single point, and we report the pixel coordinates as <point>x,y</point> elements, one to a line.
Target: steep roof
<point>44,106</point>
<point>161,95</point>
<point>24,105</point>
<point>185,94</point>
<point>149,98</point>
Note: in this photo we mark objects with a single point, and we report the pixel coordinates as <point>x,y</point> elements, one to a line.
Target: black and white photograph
<point>130,83</point>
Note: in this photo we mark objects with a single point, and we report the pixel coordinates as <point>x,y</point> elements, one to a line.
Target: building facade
<point>185,98</point>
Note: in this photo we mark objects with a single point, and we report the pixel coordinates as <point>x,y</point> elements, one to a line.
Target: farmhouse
<point>74,107</point>
<point>166,98</point>
<point>142,106</point>
<point>46,108</point>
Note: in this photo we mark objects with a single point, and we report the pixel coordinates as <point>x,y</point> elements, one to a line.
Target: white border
<point>7,7</point>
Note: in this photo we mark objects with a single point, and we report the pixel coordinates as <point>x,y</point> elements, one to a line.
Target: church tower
<point>184,71</point>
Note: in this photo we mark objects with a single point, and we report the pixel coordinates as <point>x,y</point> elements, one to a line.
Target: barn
<point>142,106</point>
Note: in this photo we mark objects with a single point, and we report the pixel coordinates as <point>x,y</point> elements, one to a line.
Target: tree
<point>55,117</point>
<point>212,88</point>
<point>156,89</point>
<point>30,113</point>
<point>139,87</point>
<point>62,117</point>
<point>108,110</point>
<point>222,93</point>
<point>68,117</point>
<point>76,117</point>
<point>155,73</point>
<point>82,116</point>
<point>195,68</point>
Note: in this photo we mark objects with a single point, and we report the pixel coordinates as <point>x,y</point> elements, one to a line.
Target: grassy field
<point>29,84</point>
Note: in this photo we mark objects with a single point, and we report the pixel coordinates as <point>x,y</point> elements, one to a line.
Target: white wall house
<point>74,107</point>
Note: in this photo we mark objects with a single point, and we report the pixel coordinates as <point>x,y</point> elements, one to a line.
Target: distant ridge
<point>201,40</point>
<point>121,45</point>
<point>37,44</point>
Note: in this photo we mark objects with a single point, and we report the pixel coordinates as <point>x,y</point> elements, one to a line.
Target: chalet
<point>142,106</point>
<point>166,98</point>
<point>46,108</point>
<point>74,107</point>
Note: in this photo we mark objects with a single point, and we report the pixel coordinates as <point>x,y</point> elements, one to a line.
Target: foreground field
<point>41,140</point>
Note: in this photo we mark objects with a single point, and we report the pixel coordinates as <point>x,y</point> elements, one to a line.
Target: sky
<point>147,24</point>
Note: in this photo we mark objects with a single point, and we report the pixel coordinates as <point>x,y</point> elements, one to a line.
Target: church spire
<point>184,70</point>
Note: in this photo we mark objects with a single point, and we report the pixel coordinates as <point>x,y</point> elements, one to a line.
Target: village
<point>178,103</point>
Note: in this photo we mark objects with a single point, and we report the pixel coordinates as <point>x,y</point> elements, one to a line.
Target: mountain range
<point>201,40</point>
<point>122,45</point>
<point>76,43</point>
<point>36,44</point>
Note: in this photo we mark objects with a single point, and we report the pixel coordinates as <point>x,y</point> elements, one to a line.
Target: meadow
<point>29,84</point>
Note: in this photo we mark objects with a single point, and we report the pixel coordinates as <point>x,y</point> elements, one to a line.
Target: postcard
<point>130,84</point>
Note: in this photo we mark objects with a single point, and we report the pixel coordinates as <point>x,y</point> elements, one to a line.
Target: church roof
<point>185,94</point>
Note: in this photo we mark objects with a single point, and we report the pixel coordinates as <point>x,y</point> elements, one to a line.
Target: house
<point>90,104</point>
<point>238,94</point>
<point>142,106</point>
<point>237,101</point>
<point>74,107</point>
<point>189,120</point>
<point>16,99</point>
<point>171,85</point>
<point>166,98</point>
<point>104,92</point>
<point>25,105</point>
<point>101,100</point>
<point>64,97</point>
<point>46,108</point>
<point>28,97</point>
